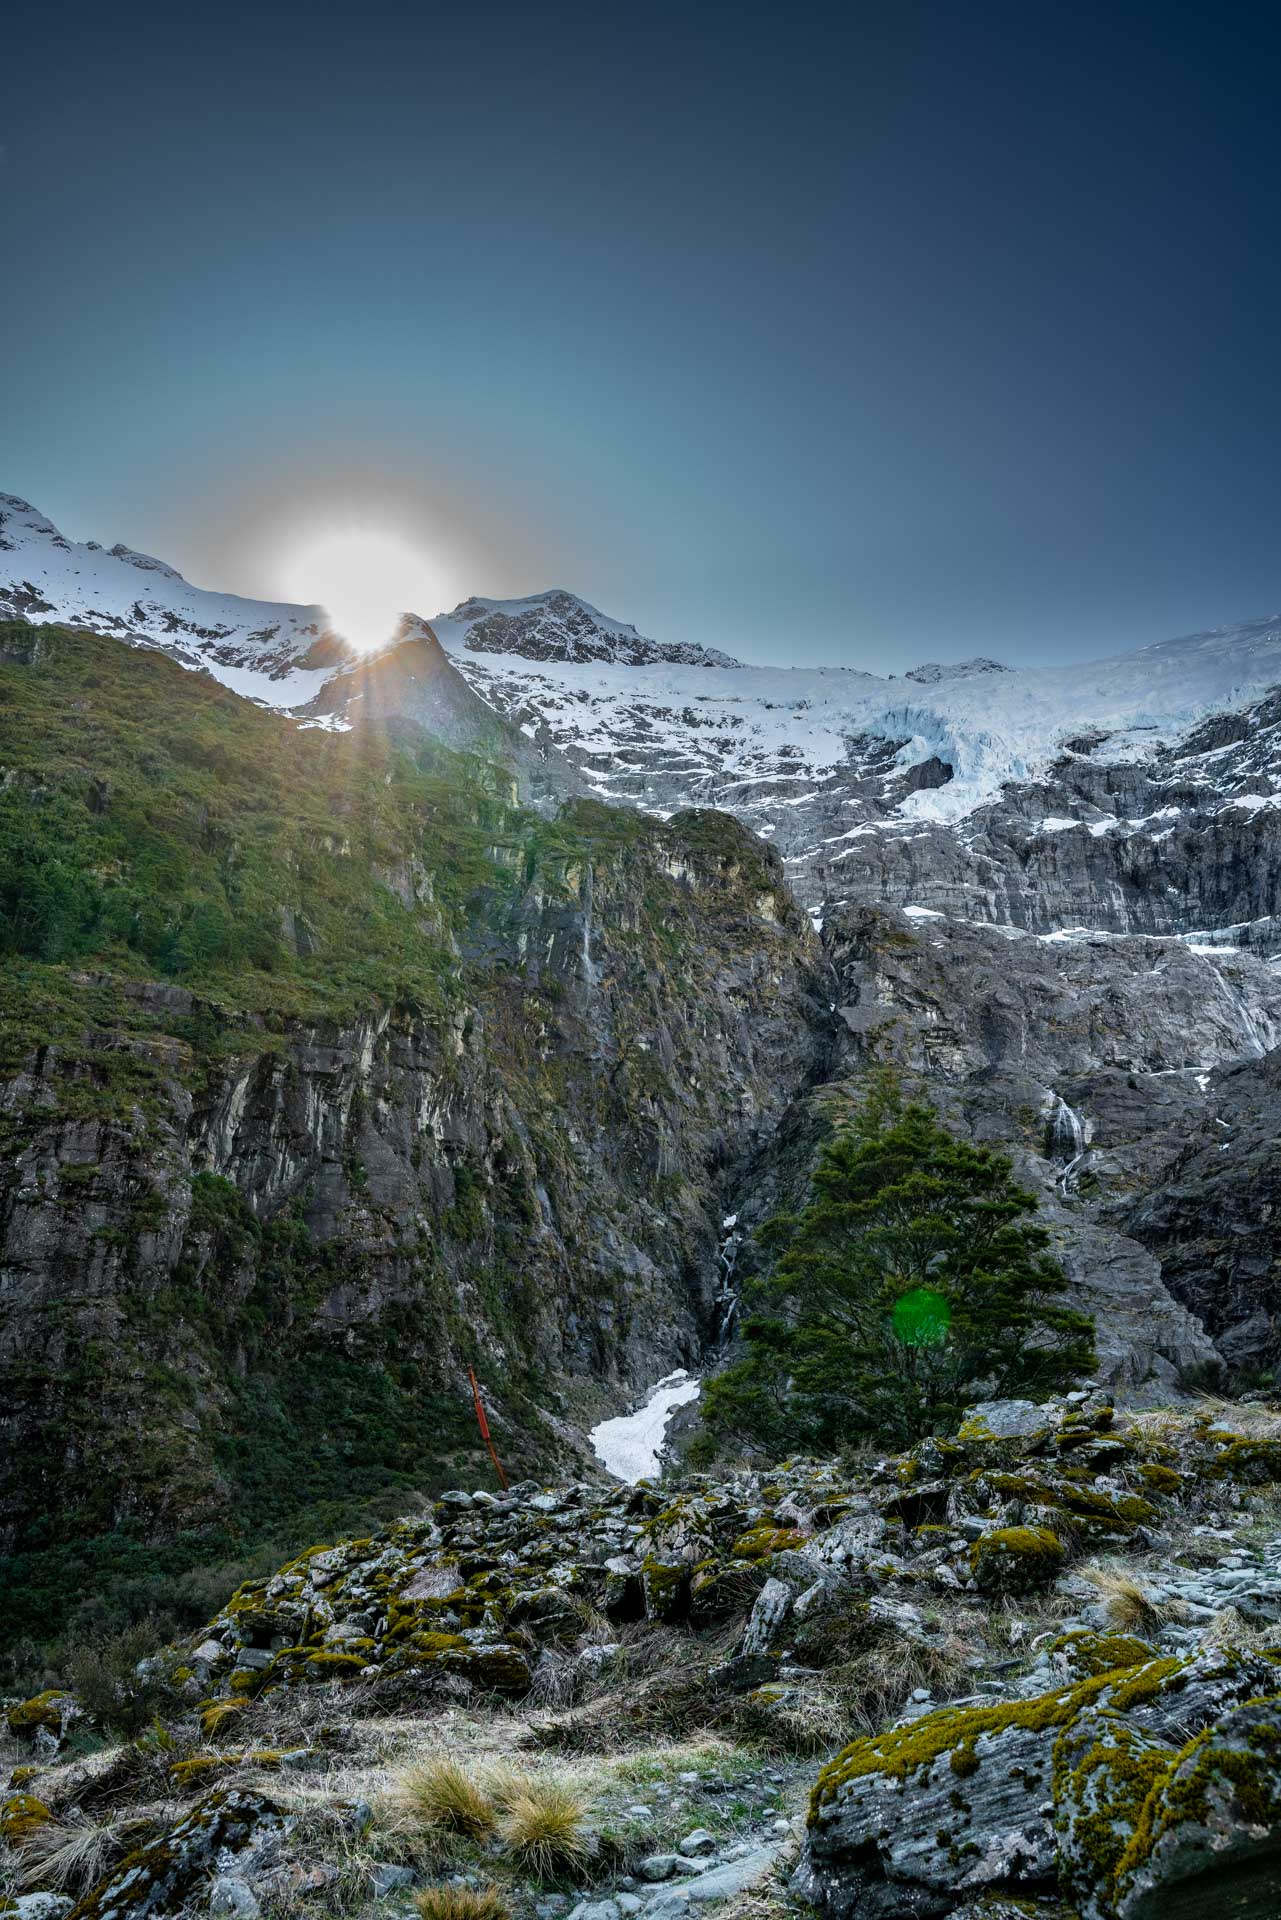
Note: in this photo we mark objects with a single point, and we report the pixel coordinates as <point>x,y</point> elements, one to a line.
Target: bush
<point>119,1681</point>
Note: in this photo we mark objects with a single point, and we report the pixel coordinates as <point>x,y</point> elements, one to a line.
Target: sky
<point>857,335</point>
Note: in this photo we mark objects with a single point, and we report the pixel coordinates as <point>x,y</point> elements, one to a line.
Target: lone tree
<point>912,1283</point>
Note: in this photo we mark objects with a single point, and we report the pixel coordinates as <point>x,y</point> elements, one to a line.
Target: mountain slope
<point>325,1072</point>
<point>812,758</point>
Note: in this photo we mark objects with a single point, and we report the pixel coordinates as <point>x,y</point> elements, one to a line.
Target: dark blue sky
<point>860,334</point>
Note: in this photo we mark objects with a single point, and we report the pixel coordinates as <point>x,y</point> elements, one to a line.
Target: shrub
<point>117,1679</point>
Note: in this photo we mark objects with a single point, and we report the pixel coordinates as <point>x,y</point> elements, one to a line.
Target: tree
<point>912,1283</point>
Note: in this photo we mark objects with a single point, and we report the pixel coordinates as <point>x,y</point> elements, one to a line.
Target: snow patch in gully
<point>629,1446</point>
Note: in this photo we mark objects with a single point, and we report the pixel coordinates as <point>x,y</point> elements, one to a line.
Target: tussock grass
<point>219,1714</point>
<point>71,1856</point>
<point>876,1685</point>
<point>1126,1600</point>
<point>543,1829</point>
<point>447,1902</point>
<point>437,1796</point>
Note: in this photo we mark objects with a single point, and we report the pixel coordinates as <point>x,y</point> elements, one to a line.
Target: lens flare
<point>365,581</point>
<point>921,1318</point>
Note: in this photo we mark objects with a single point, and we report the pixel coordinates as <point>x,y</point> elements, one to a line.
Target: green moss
<point>335,1666</point>
<point>1159,1478</point>
<point>762,1540</point>
<point>42,1710</point>
<point>903,1751</point>
<point>1253,1463</point>
<point>1090,1653</point>
<point>20,1815</point>
<point>1016,1559</point>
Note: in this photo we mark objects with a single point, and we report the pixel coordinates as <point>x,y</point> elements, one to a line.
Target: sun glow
<point>365,582</point>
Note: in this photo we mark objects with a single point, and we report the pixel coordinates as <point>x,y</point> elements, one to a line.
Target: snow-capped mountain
<point>815,757</point>
<point>559,626</point>
<point>942,788</point>
<point>279,654</point>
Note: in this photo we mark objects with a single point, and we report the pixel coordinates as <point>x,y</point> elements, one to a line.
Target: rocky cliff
<point>258,1217</point>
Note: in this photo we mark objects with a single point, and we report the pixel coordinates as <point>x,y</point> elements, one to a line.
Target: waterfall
<point>591,976</point>
<point>1067,1143</point>
<point>1256,1045</point>
<point>726,1301</point>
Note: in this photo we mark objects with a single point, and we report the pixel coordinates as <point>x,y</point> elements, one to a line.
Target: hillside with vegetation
<point>329,1071</point>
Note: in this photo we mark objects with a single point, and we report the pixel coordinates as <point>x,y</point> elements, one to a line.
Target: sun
<point>364,581</point>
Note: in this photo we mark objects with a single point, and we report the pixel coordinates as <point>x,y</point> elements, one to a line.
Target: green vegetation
<point>152,821</point>
<point>912,1282</point>
<point>196,895</point>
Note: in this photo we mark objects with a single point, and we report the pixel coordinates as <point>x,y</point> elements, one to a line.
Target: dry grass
<point>437,1796</point>
<point>1257,1422</point>
<point>543,1828</point>
<point>461,1903</point>
<point>71,1856</point>
<point>1127,1602</point>
<point>876,1685</point>
<point>219,1714</point>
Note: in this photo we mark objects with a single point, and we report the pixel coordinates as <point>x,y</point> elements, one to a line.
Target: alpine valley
<point>368,1017</point>
<point>380,1028</point>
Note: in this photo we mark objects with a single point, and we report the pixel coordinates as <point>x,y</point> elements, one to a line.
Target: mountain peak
<point>559,625</point>
<point>932,671</point>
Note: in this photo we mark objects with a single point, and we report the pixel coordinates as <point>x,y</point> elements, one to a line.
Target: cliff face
<point>1134,1082</point>
<point>328,1071</point>
<point>254,1231</point>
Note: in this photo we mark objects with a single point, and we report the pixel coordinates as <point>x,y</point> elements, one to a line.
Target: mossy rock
<point>1208,1837</point>
<point>160,1878</point>
<point>1252,1463</point>
<point>759,1542</point>
<point>1085,1653</point>
<point>1161,1479</point>
<point>921,1817</point>
<point>719,1592</point>
<point>1016,1560</point>
<point>20,1816</point>
<point>49,1710</point>
<point>334,1666</point>
<point>667,1589</point>
<point>1104,1771</point>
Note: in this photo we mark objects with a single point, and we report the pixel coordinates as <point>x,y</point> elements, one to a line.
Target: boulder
<point>1122,1784</point>
<point>159,1878</point>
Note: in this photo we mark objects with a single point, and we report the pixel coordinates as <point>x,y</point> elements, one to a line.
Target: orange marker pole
<point>483,1424</point>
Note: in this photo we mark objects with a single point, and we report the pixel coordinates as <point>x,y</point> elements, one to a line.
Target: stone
<point>698,1842</point>
<point>658,1866</point>
<point>158,1878</point>
<point>387,1876</point>
<point>722,1882</point>
<point>1010,1796</point>
<point>772,1605</point>
<point>1211,1834</point>
<point>40,1906</point>
<point>231,1896</point>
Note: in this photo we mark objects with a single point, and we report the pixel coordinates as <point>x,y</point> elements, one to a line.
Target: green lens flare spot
<point>921,1318</point>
